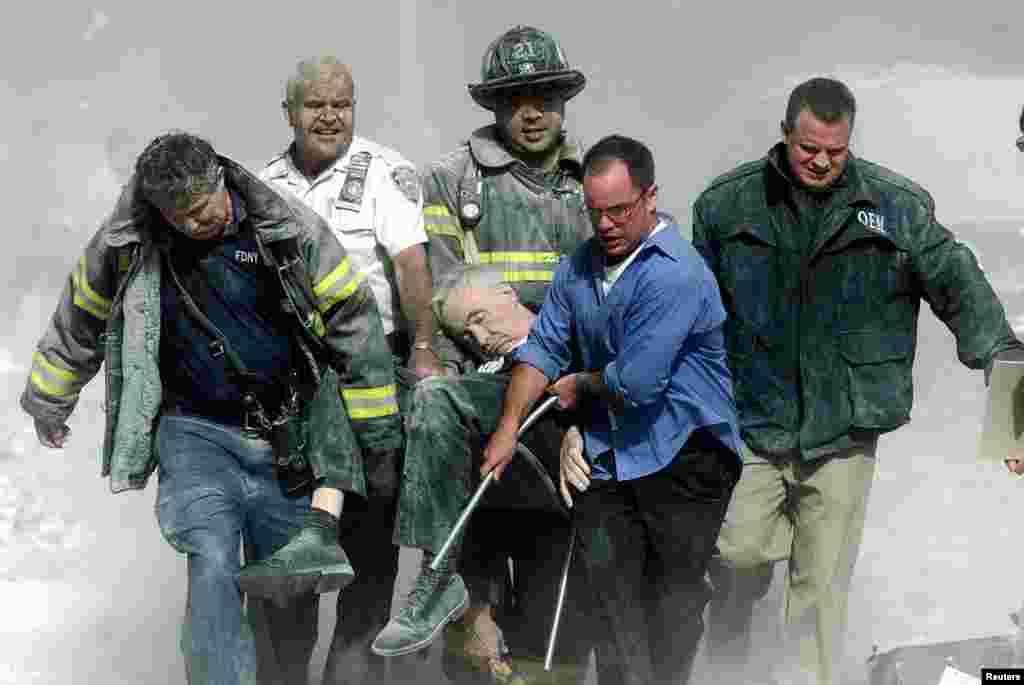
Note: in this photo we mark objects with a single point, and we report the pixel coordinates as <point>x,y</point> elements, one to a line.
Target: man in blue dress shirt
<point>630,337</point>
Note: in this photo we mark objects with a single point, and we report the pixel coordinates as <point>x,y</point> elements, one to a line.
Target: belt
<point>230,414</point>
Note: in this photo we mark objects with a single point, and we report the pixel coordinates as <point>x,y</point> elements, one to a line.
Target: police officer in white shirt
<point>370,195</point>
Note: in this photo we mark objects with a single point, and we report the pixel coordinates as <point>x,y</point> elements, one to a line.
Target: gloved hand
<point>573,466</point>
<point>52,434</point>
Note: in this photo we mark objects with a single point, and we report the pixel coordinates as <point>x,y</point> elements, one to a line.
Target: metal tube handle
<point>534,416</point>
<point>563,584</point>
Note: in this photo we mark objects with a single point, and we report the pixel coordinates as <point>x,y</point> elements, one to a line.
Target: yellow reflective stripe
<point>334,288</point>
<point>51,368</point>
<point>328,281</point>
<point>444,229</point>
<point>436,210</point>
<point>515,276</point>
<point>370,403</point>
<point>87,298</point>
<point>389,410</point>
<point>520,257</point>
<point>52,379</point>
<point>48,388</point>
<point>81,302</point>
<point>438,219</point>
<point>378,393</point>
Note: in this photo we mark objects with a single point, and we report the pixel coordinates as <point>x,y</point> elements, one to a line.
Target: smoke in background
<point>91,592</point>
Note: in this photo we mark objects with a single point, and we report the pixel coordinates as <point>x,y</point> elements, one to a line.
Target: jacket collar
<point>851,186</point>
<point>283,166</point>
<point>134,219</point>
<point>669,241</point>
<point>490,152</point>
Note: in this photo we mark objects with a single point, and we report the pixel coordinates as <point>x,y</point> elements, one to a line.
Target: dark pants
<point>646,544</point>
<point>364,606</point>
<point>512,556</point>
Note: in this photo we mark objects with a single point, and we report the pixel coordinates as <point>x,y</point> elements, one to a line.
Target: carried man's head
<point>816,131</point>
<point>477,307</point>
<point>319,105</point>
<point>526,81</point>
<point>181,175</point>
<point>621,196</point>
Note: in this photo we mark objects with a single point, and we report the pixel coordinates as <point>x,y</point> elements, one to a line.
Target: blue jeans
<point>218,487</point>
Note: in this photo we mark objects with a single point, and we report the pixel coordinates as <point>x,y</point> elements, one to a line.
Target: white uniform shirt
<point>373,224</point>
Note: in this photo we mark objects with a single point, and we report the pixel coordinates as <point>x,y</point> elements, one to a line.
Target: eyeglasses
<point>617,214</point>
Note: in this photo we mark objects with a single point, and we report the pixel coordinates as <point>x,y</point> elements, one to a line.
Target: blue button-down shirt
<point>658,338</point>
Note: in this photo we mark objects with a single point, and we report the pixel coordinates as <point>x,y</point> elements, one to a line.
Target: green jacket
<point>528,221</point>
<point>821,337</point>
<point>109,314</point>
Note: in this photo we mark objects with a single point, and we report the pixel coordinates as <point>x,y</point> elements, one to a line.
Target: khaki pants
<point>811,513</point>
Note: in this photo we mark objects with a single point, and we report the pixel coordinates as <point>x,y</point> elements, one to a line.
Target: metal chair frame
<point>531,459</point>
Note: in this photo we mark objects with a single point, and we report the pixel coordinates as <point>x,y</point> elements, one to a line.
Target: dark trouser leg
<point>683,507</point>
<point>646,545</point>
<point>285,638</point>
<point>539,555</point>
<point>483,557</point>
<point>613,544</point>
<point>364,606</point>
<point>484,566</point>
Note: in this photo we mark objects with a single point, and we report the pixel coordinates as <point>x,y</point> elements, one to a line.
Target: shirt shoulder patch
<point>408,182</point>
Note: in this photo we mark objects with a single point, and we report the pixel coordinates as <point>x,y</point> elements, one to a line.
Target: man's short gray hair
<point>176,168</point>
<point>308,70</point>
<point>481,276</point>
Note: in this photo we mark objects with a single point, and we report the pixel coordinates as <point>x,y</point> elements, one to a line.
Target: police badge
<point>355,179</point>
<point>408,182</point>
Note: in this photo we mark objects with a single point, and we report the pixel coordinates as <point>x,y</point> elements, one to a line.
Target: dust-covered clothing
<point>109,314</point>
<point>528,221</point>
<point>219,484</point>
<point>823,293</point>
<point>518,519</point>
<point>822,330</point>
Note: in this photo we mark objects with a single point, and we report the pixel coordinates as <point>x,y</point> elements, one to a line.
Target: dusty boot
<point>312,561</point>
<point>436,599</point>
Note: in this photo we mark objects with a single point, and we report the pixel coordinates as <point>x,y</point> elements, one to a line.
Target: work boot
<point>312,561</point>
<point>437,598</point>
